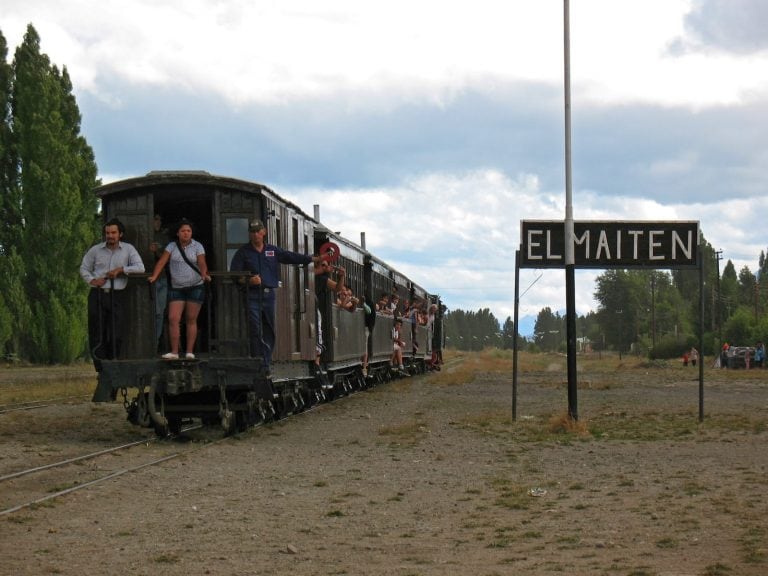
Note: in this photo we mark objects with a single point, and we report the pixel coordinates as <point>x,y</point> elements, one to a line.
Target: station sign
<point>610,244</point>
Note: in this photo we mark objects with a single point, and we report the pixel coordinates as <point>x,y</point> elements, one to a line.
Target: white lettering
<point>532,244</point>
<point>635,234</point>
<point>677,241</point>
<point>584,238</point>
<point>618,244</point>
<point>549,248</point>
<point>652,245</point>
<point>602,244</point>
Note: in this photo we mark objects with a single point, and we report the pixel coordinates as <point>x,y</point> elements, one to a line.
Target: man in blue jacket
<point>263,261</point>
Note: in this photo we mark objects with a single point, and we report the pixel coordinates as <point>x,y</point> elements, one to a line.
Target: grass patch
<point>680,425</point>
<point>667,543</point>
<point>406,434</point>
<point>565,424</point>
<point>717,570</point>
<point>166,559</point>
<point>36,384</point>
<point>753,545</point>
<point>511,495</point>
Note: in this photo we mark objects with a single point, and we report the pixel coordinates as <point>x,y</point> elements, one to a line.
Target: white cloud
<point>427,50</point>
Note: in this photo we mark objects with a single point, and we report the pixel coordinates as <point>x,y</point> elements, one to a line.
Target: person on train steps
<point>104,268</point>
<point>189,272</point>
<point>263,261</point>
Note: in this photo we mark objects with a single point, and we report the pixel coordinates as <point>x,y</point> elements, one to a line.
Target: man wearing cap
<point>104,268</point>
<point>263,261</point>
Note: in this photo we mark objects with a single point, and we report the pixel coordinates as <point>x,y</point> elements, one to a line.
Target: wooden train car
<point>224,383</point>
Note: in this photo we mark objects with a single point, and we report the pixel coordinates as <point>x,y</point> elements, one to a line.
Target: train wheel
<point>161,430</point>
<point>142,414</point>
<point>174,425</point>
<point>241,421</point>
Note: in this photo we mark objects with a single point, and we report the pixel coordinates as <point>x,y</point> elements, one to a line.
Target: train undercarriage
<point>233,393</point>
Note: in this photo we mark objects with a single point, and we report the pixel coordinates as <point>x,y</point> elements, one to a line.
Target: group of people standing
<point>179,276</point>
<point>691,356</point>
<point>105,267</point>
<point>752,359</point>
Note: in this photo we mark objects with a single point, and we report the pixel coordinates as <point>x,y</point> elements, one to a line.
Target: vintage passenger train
<point>224,383</point>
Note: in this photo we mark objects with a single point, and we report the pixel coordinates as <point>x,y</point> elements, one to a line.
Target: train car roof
<point>196,177</point>
<point>202,177</point>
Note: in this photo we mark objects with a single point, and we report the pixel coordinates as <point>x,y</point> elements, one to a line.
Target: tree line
<point>647,312</point>
<point>49,212</point>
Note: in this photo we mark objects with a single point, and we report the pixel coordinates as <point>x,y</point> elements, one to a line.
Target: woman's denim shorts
<point>189,294</point>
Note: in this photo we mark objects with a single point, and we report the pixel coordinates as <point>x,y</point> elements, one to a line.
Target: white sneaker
<point>190,356</point>
<point>170,356</point>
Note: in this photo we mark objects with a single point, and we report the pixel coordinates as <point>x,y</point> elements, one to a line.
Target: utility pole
<point>718,257</point>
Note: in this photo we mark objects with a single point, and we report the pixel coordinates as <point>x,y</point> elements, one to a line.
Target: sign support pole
<point>701,332</point>
<point>570,261</point>
<point>515,337</point>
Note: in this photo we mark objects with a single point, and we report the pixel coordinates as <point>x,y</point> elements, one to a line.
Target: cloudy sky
<point>436,126</point>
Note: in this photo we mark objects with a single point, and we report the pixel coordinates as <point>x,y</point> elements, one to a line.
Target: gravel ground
<point>425,476</point>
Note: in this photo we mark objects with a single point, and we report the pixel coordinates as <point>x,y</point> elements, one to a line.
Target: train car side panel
<point>348,330</point>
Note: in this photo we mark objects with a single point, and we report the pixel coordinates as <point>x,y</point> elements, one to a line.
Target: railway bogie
<point>224,383</point>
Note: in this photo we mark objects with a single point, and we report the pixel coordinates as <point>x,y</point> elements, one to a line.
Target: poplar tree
<point>57,173</point>
<point>10,216</point>
<point>10,202</point>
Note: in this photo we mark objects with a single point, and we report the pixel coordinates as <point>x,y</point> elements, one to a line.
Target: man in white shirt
<point>104,268</point>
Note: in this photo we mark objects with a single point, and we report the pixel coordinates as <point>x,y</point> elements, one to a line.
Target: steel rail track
<point>34,404</point>
<point>83,457</point>
<point>72,460</point>
<point>87,484</point>
<point>136,468</point>
<point>116,474</point>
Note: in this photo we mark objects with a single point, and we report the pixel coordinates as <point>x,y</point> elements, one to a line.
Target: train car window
<point>236,236</point>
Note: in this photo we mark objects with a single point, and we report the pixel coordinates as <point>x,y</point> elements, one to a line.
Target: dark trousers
<point>105,317</point>
<point>261,318</point>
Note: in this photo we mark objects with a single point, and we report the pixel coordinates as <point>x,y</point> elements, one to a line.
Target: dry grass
<point>494,360</point>
<point>565,424</point>
<point>406,433</point>
<point>19,385</point>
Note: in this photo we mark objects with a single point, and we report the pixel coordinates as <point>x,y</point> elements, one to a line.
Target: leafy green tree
<point>10,199</point>
<point>549,330</point>
<point>621,299</point>
<point>729,292</point>
<point>747,287</point>
<point>739,330</point>
<point>508,334</point>
<point>14,312</point>
<point>15,298</point>
<point>471,330</point>
<point>686,282</point>
<point>57,176</point>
